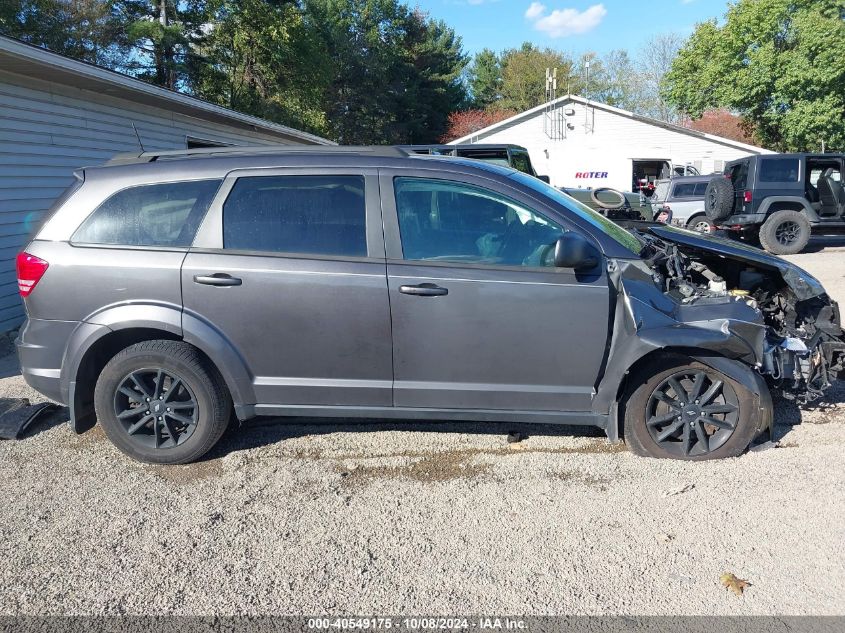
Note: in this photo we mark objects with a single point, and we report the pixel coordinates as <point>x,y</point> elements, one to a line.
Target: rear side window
<point>738,173</point>
<point>166,214</point>
<point>779,170</point>
<point>521,162</point>
<point>684,190</point>
<point>700,189</point>
<point>316,215</point>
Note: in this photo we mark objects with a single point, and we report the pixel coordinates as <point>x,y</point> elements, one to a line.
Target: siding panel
<point>49,130</point>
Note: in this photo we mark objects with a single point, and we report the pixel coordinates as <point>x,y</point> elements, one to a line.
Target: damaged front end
<point>779,313</point>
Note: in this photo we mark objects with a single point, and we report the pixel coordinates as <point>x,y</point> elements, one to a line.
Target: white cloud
<point>565,22</point>
<point>535,11</point>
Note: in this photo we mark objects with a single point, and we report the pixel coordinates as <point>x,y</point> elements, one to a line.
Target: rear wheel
<point>701,224</point>
<point>159,403</point>
<point>785,232</point>
<point>688,411</point>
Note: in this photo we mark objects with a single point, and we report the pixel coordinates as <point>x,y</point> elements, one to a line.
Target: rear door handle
<point>424,290</point>
<point>217,279</point>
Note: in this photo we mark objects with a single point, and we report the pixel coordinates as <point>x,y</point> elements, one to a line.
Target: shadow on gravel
<point>265,431</point>
<point>819,242</point>
<point>789,414</point>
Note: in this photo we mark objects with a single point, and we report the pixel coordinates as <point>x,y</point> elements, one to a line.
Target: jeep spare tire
<point>719,199</point>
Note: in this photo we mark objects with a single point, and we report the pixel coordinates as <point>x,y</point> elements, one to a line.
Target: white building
<point>580,143</point>
<point>58,114</point>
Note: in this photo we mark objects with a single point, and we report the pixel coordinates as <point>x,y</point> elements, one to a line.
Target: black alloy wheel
<point>156,407</point>
<point>787,233</point>
<point>692,413</point>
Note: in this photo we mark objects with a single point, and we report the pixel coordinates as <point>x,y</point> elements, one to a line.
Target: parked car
<point>684,197</point>
<point>779,199</point>
<point>514,156</point>
<point>168,290</point>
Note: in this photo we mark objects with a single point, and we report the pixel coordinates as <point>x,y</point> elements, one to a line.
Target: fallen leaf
<point>679,491</point>
<point>733,583</point>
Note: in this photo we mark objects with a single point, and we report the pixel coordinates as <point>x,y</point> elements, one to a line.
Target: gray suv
<point>168,292</point>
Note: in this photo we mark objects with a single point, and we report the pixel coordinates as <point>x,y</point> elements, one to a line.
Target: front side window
<point>166,214</point>
<point>779,170</point>
<point>441,220</point>
<point>313,215</point>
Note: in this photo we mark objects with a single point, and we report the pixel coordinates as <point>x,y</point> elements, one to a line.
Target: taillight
<point>747,197</point>
<point>30,271</point>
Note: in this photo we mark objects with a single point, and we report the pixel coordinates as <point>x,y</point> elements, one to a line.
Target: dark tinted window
<point>495,156</point>
<point>738,174</point>
<point>319,215</point>
<point>779,170</point>
<point>684,190</point>
<point>521,162</point>
<point>449,221</point>
<point>167,214</point>
<point>700,189</point>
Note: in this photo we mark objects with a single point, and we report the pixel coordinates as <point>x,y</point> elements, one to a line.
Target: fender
<point>163,317</point>
<point>229,362</point>
<point>796,200</point>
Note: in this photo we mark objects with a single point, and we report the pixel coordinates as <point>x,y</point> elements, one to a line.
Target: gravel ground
<point>449,519</point>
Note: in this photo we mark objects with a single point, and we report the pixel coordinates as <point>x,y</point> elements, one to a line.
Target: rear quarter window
<point>165,214</point>
<point>684,190</point>
<point>779,170</point>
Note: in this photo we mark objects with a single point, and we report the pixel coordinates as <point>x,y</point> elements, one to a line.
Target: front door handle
<point>217,279</point>
<point>424,290</point>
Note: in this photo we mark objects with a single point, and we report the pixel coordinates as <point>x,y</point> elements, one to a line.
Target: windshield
<point>621,235</point>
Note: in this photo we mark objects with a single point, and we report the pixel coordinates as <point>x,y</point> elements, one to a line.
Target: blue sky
<point>576,26</point>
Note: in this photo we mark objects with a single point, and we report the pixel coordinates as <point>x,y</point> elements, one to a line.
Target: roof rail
<point>248,150</point>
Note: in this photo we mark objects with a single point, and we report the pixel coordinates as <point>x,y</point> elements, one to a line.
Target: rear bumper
<point>41,347</point>
<point>743,220</point>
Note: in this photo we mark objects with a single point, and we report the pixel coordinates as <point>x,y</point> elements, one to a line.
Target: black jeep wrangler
<point>779,199</point>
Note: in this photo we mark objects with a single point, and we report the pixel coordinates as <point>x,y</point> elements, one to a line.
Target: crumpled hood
<point>802,283</point>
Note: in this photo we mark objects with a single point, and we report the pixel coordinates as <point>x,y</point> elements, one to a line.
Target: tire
<point>647,418</point>
<point>719,199</point>
<point>619,203</point>
<point>785,232</point>
<point>698,222</point>
<point>143,380</point>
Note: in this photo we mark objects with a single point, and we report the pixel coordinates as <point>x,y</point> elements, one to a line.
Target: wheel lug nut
<point>159,417</point>
<point>148,399</point>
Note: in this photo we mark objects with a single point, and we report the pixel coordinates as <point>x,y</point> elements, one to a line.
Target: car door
<point>289,267</point>
<point>480,319</point>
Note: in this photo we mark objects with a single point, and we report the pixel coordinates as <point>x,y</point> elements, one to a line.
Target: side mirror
<point>572,250</point>
<point>545,179</point>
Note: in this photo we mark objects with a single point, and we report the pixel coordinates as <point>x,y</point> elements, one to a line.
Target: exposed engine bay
<point>803,347</point>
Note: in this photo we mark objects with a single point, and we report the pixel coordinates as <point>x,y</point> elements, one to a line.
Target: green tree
<point>524,76</point>
<point>777,63</point>
<point>259,58</point>
<point>394,73</point>
<point>619,85</point>
<point>162,34</point>
<point>654,62</point>
<point>89,30</point>
<point>485,79</point>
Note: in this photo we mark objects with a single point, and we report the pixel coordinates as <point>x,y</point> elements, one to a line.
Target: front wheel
<point>689,411</point>
<point>159,402</point>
